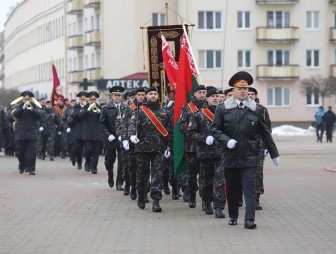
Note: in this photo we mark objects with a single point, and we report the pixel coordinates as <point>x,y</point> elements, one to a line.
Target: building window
<point>278,19</point>
<point>210,59</point>
<point>278,97</point>
<point>313,60</point>
<point>278,57</point>
<point>159,19</point>
<point>244,59</point>
<point>243,19</point>
<point>209,20</point>
<point>313,96</point>
<point>313,20</point>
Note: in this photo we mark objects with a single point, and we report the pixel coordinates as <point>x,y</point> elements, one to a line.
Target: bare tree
<point>8,95</point>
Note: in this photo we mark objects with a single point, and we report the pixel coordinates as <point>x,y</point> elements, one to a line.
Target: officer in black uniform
<point>27,116</point>
<point>92,134</point>
<point>238,125</point>
<point>107,124</point>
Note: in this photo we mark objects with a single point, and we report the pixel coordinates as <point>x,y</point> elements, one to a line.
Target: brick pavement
<point>64,210</point>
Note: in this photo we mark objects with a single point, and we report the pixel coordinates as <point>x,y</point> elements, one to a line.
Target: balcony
<point>75,7</point>
<point>92,38</point>
<point>75,42</point>
<point>92,3</point>
<point>277,1</point>
<point>332,1</point>
<point>333,34</point>
<point>277,35</point>
<point>278,72</point>
<point>2,56</point>
<point>75,76</point>
<point>93,74</point>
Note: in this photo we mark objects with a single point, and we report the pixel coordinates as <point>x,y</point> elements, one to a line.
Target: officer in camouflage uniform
<point>128,166</point>
<point>9,134</point>
<point>150,130</point>
<point>193,170</point>
<point>61,137</point>
<point>208,154</point>
<point>47,129</point>
<point>253,93</point>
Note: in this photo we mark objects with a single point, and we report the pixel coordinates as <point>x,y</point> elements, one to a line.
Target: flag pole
<point>192,55</point>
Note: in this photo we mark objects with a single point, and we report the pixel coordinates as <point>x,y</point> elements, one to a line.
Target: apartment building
<point>280,42</point>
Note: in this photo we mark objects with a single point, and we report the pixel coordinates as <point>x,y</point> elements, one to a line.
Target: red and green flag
<point>186,83</point>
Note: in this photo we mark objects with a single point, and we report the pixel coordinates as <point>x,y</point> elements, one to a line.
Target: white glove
<point>276,161</point>
<point>90,107</point>
<point>125,145</point>
<point>170,103</point>
<point>231,144</point>
<point>134,139</point>
<point>265,152</point>
<point>41,128</point>
<point>98,110</point>
<point>119,138</point>
<point>111,138</point>
<point>59,133</point>
<point>209,140</point>
<point>167,154</point>
<point>26,105</point>
<point>68,130</point>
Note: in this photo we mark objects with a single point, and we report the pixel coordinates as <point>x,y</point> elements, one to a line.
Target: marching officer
<point>61,137</point>
<point>239,123</point>
<point>150,130</point>
<point>75,123</point>
<point>27,116</point>
<point>208,154</point>
<point>47,130</point>
<point>92,135</point>
<point>193,170</point>
<point>107,123</point>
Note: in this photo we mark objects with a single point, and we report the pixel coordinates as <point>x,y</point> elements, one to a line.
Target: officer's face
<point>200,94</point>
<point>221,98</point>
<point>131,99</point>
<point>93,99</point>
<point>140,96</point>
<point>240,93</point>
<point>48,105</point>
<point>152,96</point>
<point>116,97</point>
<point>228,95</point>
<point>252,95</point>
<point>213,99</point>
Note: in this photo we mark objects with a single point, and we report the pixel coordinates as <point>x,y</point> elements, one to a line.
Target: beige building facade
<point>280,42</point>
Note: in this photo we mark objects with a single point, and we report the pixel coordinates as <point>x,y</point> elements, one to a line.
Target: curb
<point>331,168</point>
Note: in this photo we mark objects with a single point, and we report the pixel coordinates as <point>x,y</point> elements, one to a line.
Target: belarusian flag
<point>186,83</point>
<point>170,64</point>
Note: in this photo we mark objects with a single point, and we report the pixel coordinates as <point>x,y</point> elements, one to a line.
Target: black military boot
<point>133,193</point>
<point>110,180</point>
<point>175,193</point>
<point>166,189</point>
<point>219,213</point>
<point>156,206</point>
<point>192,200</point>
<point>127,189</point>
<point>146,198</point>
<point>258,206</point>
<point>186,196</point>
<point>208,208</point>
<point>141,201</point>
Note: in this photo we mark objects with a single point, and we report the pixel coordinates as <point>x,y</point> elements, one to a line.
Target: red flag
<point>170,64</point>
<point>56,92</point>
<point>186,83</point>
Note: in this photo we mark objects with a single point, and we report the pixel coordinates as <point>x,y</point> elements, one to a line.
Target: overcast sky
<point>4,8</point>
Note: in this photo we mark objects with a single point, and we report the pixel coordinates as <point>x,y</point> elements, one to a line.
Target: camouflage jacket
<point>151,140</point>
<point>200,129</point>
